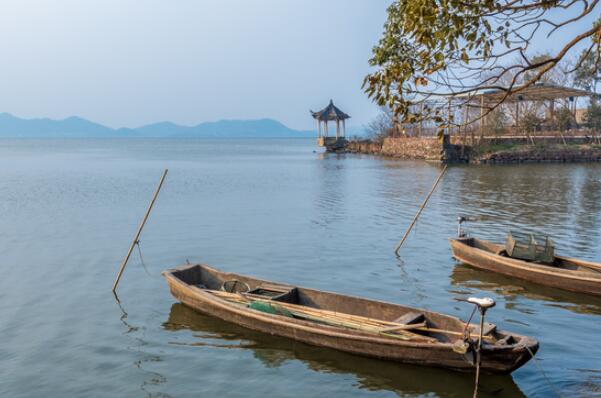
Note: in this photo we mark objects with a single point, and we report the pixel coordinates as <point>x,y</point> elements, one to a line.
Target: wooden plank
<point>410,317</point>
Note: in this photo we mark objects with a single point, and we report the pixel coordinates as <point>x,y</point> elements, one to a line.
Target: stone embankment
<point>426,148</point>
<point>542,154</point>
<point>433,149</point>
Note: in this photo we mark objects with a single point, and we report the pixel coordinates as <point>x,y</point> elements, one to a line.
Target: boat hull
<point>499,360</point>
<point>581,282</point>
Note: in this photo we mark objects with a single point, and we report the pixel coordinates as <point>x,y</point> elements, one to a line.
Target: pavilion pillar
<point>481,117</point>
<point>318,128</point>
<point>421,119</point>
<point>466,117</point>
<point>325,127</point>
<point>449,117</point>
<point>337,128</point>
<point>343,128</point>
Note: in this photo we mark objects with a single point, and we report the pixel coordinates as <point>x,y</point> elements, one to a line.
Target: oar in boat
<point>321,316</point>
<point>377,326</point>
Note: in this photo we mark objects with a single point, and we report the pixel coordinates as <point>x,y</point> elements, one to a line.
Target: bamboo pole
<point>373,325</point>
<point>332,318</point>
<point>140,227</point>
<point>419,212</point>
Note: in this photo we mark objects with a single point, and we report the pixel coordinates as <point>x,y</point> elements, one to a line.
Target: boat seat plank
<point>271,292</point>
<point>410,317</point>
<point>488,328</point>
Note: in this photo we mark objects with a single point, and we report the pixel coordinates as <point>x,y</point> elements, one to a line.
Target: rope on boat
<point>542,372</point>
<point>466,330</point>
<point>142,258</point>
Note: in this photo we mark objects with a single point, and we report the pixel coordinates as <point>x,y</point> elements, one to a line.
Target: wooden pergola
<point>541,92</point>
<point>536,92</point>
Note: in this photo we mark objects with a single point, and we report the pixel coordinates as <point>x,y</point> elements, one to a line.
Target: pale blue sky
<point>131,62</point>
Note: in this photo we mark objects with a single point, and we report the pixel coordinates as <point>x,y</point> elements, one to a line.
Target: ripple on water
<point>274,209</point>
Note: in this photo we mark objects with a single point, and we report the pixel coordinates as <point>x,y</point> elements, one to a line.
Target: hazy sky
<point>132,62</point>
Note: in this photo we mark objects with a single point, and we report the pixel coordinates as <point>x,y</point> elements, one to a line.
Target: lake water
<point>279,210</point>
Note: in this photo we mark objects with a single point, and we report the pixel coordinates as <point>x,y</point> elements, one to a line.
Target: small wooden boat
<point>351,324</point>
<point>564,273</point>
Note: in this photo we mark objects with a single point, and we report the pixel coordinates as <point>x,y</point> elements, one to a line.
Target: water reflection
<point>514,290</point>
<point>545,199</point>
<point>371,374</point>
<point>330,197</point>
<point>152,379</point>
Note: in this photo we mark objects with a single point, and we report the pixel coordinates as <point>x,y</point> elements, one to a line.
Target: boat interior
<point>558,261</point>
<point>206,278</point>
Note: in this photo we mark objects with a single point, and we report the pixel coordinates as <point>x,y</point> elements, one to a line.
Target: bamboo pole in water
<point>419,212</point>
<point>140,227</point>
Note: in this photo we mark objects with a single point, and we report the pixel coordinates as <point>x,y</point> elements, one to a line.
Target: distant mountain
<point>261,128</point>
<point>12,126</point>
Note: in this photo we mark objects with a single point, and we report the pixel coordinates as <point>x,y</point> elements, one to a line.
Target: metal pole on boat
<point>140,227</point>
<point>483,304</point>
<point>419,212</point>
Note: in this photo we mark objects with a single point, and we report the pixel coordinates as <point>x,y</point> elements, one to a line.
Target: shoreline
<point>495,151</point>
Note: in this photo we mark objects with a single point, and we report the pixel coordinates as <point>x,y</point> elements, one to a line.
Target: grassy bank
<point>518,153</point>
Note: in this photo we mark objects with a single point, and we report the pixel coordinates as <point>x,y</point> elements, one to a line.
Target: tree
<point>593,117</point>
<point>497,121</point>
<point>381,126</point>
<point>531,122</point>
<point>564,119</point>
<point>588,75</point>
<point>432,50</point>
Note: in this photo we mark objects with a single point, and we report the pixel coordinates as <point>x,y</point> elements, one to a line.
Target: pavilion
<point>331,113</point>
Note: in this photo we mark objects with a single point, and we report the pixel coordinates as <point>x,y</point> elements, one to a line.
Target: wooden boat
<point>351,324</point>
<point>564,273</point>
<point>398,379</point>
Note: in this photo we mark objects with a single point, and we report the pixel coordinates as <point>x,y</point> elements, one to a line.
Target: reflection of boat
<point>346,323</point>
<point>371,374</point>
<point>564,273</point>
<point>510,288</point>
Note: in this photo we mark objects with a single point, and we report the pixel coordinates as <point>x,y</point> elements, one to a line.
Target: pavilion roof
<point>536,92</point>
<point>330,112</point>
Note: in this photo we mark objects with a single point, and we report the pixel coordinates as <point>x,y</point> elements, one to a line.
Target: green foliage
<point>564,118</point>
<point>537,59</point>
<point>531,122</point>
<point>432,49</point>
<point>593,117</point>
<point>497,121</point>
<point>587,75</point>
<point>502,147</point>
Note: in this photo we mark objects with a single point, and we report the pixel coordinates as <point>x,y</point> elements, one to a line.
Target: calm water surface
<point>278,210</point>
